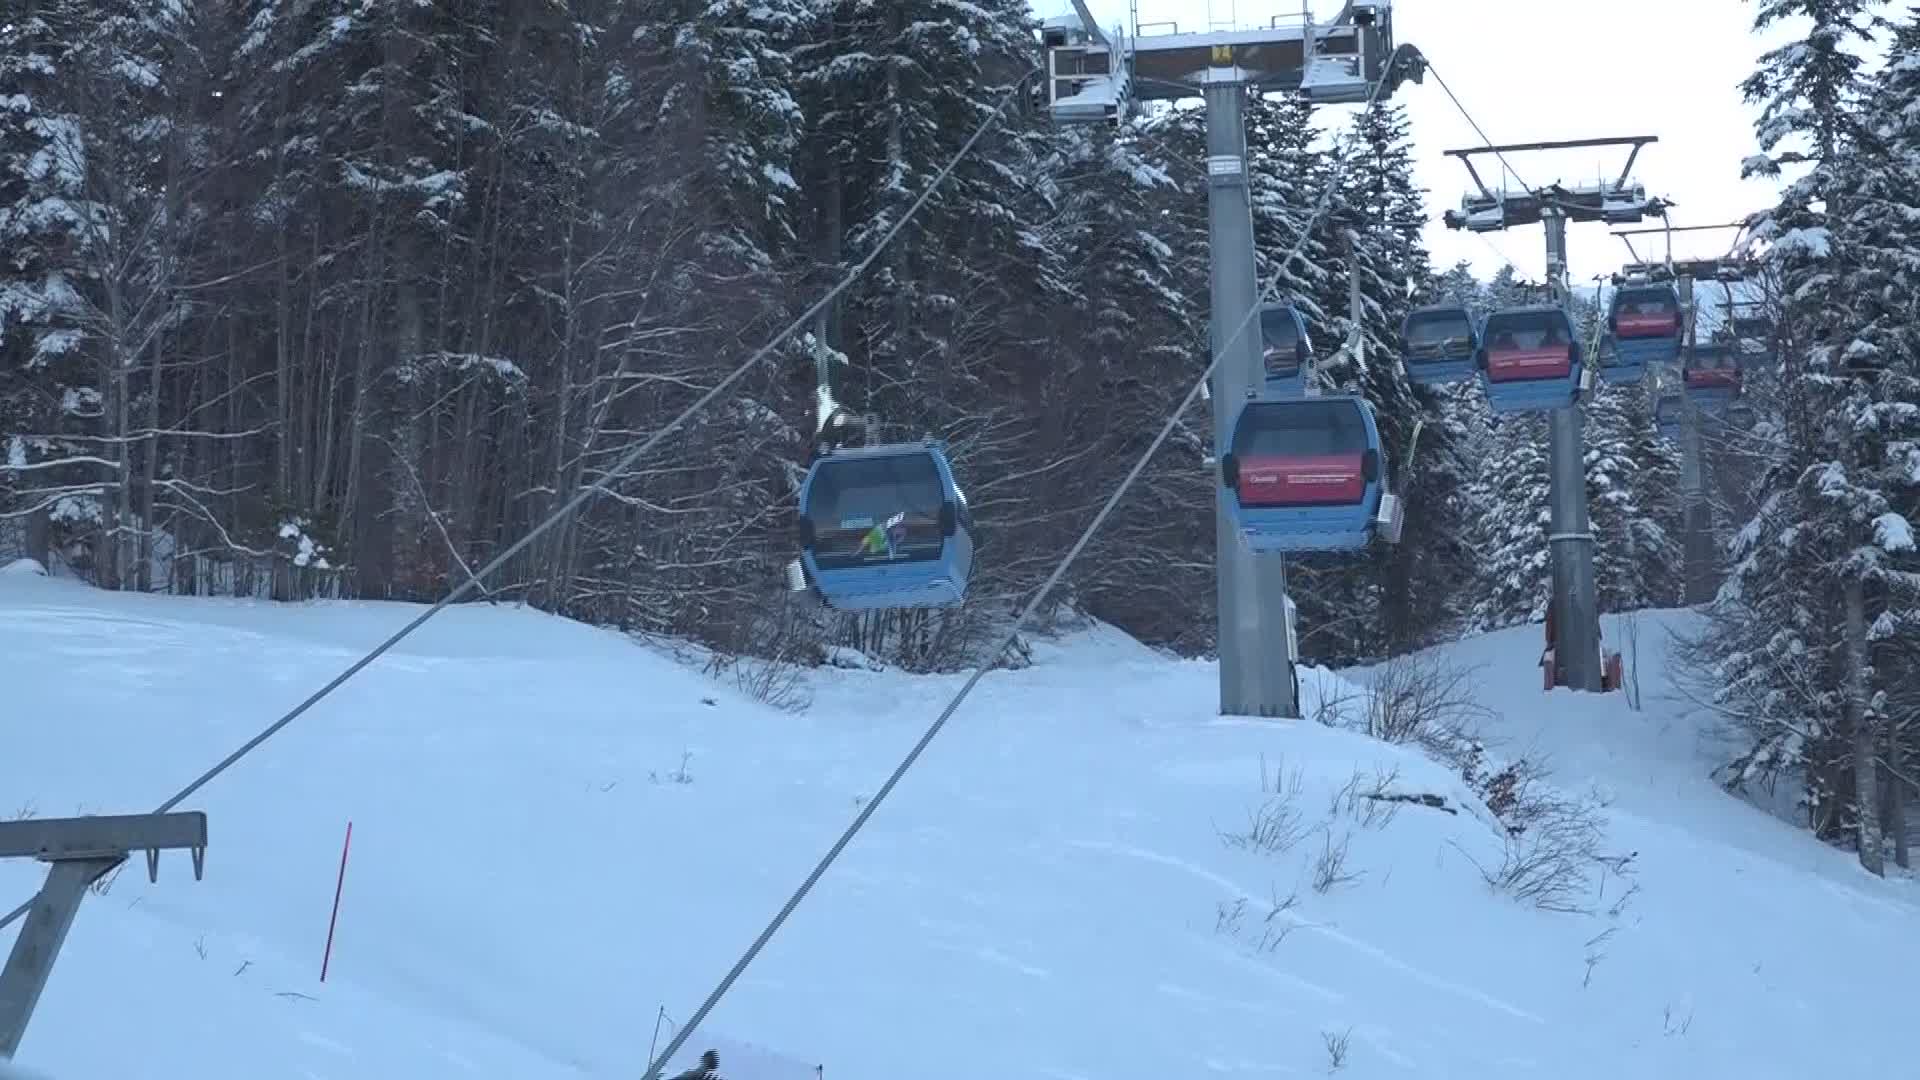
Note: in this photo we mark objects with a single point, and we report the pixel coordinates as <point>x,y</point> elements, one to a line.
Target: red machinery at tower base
<point>1612,672</point>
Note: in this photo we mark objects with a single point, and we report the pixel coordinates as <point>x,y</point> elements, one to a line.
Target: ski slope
<point>558,833</point>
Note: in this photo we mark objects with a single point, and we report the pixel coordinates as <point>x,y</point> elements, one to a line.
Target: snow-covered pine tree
<point>1125,349</point>
<point>892,91</point>
<point>1507,289</point>
<point>1873,489</point>
<point>1507,498</point>
<point>1633,477</point>
<point>1632,484</point>
<point>494,259</point>
<point>1791,633</point>
<point>1382,213</point>
<point>728,88</point>
<point>1455,285</point>
<point>111,127</point>
<point>1286,173</point>
<point>711,91</point>
<point>356,127</point>
<point>1511,515</point>
<point>1363,608</point>
<point>1765,657</point>
<point>1888,431</point>
<point>42,214</point>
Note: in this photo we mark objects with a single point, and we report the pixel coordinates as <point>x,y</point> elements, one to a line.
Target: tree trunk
<point>899,255</point>
<point>1896,787</point>
<point>1866,770</point>
<point>111,572</point>
<point>39,539</point>
<point>149,472</point>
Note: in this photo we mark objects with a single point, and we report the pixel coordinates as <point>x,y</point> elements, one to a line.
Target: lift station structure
<point>1095,76</point>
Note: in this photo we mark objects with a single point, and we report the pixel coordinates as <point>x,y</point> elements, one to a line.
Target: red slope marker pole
<point>338,885</point>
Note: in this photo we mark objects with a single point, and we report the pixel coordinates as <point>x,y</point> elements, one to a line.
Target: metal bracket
<point>1293,637</point>
<point>79,850</point>
<point>1390,518</point>
<point>1555,538</point>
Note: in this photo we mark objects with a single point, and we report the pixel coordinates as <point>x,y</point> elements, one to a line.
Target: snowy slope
<point>558,833</point>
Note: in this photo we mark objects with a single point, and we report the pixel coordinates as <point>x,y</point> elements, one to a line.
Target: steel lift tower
<point>1570,539</point>
<point>1700,573</point>
<point>1094,76</point>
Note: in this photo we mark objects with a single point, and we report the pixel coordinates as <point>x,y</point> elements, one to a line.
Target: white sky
<point>1548,70</point>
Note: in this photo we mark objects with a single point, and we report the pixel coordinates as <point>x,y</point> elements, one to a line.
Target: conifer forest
<point>336,298</point>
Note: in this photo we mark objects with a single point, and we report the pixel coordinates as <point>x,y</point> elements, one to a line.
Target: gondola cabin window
<point>1301,453</point>
<point>1438,330</point>
<point>1529,345</point>
<point>1528,332</point>
<point>1646,311</point>
<point>876,510</point>
<point>1281,341</point>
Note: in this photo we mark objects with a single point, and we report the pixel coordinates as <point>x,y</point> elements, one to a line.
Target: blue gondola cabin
<point>1644,322</point>
<point>1437,345</point>
<point>1286,351</point>
<point>1306,474</point>
<point>1712,376</point>
<point>1529,360</point>
<point>885,527</point>
<point>1669,414</point>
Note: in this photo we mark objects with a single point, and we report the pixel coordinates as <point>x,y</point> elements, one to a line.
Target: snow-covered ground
<point>557,834</point>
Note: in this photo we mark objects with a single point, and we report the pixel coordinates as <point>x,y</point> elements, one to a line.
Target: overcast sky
<point>1544,70</point>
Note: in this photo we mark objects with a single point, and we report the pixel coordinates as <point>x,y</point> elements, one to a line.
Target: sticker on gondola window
<point>886,539</point>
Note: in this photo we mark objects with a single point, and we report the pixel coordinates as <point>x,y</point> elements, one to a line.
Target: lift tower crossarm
<point>1635,141</point>
<point>1730,259</point>
<point>1681,228</point>
<point>1716,269</point>
<point>78,851</point>
<point>1617,203</point>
